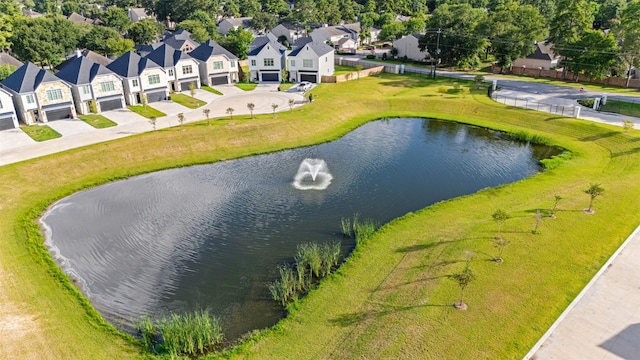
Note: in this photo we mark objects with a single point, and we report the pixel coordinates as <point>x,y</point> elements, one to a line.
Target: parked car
<point>304,86</point>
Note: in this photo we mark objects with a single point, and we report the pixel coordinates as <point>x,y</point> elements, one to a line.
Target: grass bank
<point>392,299</point>
<point>40,132</point>
<point>188,101</point>
<point>97,121</point>
<point>146,111</point>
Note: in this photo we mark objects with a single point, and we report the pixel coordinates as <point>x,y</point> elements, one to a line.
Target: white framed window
<point>107,86</point>
<point>268,61</point>
<point>293,63</point>
<point>170,72</point>
<point>30,99</point>
<point>233,63</point>
<point>154,79</point>
<point>54,94</point>
<point>134,82</point>
<point>85,89</point>
<point>187,69</point>
<point>307,63</point>
<point>253,62</point>
<point>218,65</point>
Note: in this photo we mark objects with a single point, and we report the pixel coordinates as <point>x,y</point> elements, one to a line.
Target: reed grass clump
<point>312,263</point>
<point>190,334</point>
<point>361,230</point>
<point>555,161</point>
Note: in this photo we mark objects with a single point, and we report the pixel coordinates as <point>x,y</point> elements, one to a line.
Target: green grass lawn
<point>146,111</point>
<point>341,69</point>
<point>40,132</point>
<point>622,107</point>
<point>392,298</point>
<point>210,89</point>
<point>246,86</point>
<point>97,121</point>
<point>188,101</point>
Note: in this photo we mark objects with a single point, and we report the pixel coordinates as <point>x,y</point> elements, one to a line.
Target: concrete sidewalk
<point>603,322</point>
<point>16,146</point>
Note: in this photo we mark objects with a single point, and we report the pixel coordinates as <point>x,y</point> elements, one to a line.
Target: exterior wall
<point>535,63</point>
<point>279,62</point>
<point>97,89</point>
<point>130,90</point>
<point>8,107</point>
<point>41,93</point>
<point>144,79</point>
<point>79,100</point>
<point>408,46</point>
<point>326,65</point>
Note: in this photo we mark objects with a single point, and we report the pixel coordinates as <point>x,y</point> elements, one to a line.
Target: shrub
<point>587,102</point>
<point>555,161</point>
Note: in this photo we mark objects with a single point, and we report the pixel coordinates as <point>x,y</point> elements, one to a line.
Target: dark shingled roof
<point>130,65</point>
<point>319,48</point>
<point>6,59</point>
<point>27,78</point>
<point>95,57</point>
<point>82,71</point>
<point>166,56</point>
<point>542,52</point>
<point>276,45</point>
<point>208,49</point>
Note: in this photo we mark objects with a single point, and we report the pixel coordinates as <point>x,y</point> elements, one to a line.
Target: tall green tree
<point>196,28</point>
<point>34,40</point>
<point>264,22</point>
<point>119,46</point>
<point>116,18</point>
<point>460,44</point>
<point>593,54</point>
<point>97,39</point>
<point>145,31</point>
<point>627,31</point>
<point>512,30</point>
<point>249,7</point>
<point>6,70</point>
<point>571,19</point>
<point>237,41</point>
<point>607,11</point>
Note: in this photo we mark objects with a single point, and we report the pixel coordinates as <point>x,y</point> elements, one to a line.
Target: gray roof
<point>95,57</point>
<point>261,41</point>
<point>208,49</point>
<point>543,52</point>
<point>320,48</point>
<point>276,45</point>
<point>131,64</point>
<point>166,56</point>
<point>27,78</point>
<point>6,59</point>
<point>82,71</point>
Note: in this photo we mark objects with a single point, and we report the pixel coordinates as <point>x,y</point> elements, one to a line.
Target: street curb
<point>575,301</point>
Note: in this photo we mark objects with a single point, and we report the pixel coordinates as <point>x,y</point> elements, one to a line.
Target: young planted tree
<point>478,80</point>
<point>181,118</point>
<point>274,107</point>
<point>206,113</point>
<point>500,217</point>
<point>192,89</point>
<point>500,243</point>
<point>463,279</point>
<point>556,200</point>
<point>627,125</point>
<point>251,106</point>
<point>230,111</point>
<point>593,191</point>
<point>538,222</point>
<point>152,121</point>
<point>291,103</point>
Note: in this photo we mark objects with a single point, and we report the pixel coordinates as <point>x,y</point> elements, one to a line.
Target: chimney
<point>78,53</point>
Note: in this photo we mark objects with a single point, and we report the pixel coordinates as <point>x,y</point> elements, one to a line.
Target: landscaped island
<point>393,298</point>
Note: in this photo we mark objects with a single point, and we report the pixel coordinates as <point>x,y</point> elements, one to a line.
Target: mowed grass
<point>40,132</point>
<point>246,86</point>
<point>622,107</point>
<point>146,111</point>
<point>392,299</point>
<point>97,121</point>
<point>210,89</point>
<point>188,101</point>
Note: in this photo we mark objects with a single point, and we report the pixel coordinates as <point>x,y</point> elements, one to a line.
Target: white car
<point>304,86</point>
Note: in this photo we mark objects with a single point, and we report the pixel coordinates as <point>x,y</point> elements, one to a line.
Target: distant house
<point>137,14</point>
<point>8,117</point>
<point>39,95</point>
<point>263,39</point>
<point>95,57</point>
<point>31,14</point>
<point>92,82</point>
<point>182,70</point>
<point>267,62</point>
<point>409,46</point>
<point>6,59</point>
<point>542,58</point>
<point>79,19</point>
<point>180,40</point>
<point>141,77</point>
<point>290,32</point>
<point>310,62</point>
<point>217,64</point>
<point>342,37</point>
<point>144,49</point>
<point>234,23</point>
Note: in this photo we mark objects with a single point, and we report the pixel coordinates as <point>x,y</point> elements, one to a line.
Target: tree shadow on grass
<point>420,247</point>
<point>555,118</point>
<point>355,318</point>
<point>599,136</point>
<point>628,152</point>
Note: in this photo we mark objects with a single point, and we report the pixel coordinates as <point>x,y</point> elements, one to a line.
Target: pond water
<point>211,236</point>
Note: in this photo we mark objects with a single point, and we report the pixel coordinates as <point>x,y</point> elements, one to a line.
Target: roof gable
<point>82,71</point>
<point>209,49</point>
<point>126,65</point>
<point>27,78</point>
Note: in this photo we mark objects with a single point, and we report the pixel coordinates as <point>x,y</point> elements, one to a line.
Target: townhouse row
<point>81,86</point>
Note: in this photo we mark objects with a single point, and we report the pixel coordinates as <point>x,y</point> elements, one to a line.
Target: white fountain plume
<point>313,174</point>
